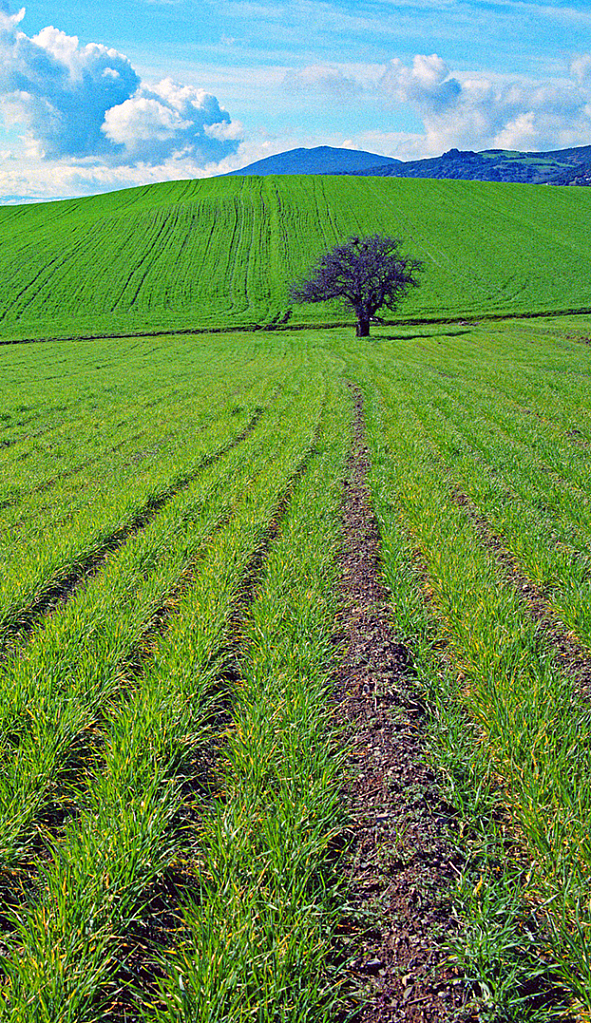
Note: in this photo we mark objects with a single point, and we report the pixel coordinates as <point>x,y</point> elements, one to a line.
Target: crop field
<point>222,252</point>
<point>177,767</point>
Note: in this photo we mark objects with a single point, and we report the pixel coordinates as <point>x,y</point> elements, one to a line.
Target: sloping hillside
<point>223,251</point>
<point>559,167</point>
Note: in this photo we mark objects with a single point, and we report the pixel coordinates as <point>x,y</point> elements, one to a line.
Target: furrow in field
<point>82,563</point>
<point>400,858</point>
<point>141,266</point>
<point>65,474</point>
<point>47,272</point>
<point>488,428</point>
<point>256,939</point>
<point>127,829</point>
<point>545,528</point>
<point>54,693</point>
<point>84,408</point>
<point>145,267</point>
<point>158,926</point>
<point>534,731</point>
<point>572,657</point>
<point>501,954</point>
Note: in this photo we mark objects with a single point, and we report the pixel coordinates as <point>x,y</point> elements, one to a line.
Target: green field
<point>170,526</point>
<point>222,252</point>
<point>172,820</point>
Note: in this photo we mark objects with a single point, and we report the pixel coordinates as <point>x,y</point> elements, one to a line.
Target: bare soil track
<point>403,863</point>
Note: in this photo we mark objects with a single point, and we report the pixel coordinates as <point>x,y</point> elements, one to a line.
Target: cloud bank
<point>481,112</point>
<point>87,102</point>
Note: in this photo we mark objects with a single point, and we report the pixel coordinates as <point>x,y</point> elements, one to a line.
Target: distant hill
<point>580,174</point>
<point>558,167</point>
<point>561,166</point>
<point>321,160</point>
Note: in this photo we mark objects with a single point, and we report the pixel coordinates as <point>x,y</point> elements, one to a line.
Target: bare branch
<point>364,273</point>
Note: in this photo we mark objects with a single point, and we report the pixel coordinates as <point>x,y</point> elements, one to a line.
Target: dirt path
<point>402,865</point>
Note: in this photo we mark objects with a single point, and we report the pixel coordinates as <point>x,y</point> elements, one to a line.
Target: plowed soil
<point>403,863</point>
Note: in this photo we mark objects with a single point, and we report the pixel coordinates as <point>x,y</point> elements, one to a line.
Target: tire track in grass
<point>573,658</point>
<point>64,584</point>
<point>402,864</point>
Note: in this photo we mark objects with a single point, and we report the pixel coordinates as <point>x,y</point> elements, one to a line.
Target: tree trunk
<point>362,327</point>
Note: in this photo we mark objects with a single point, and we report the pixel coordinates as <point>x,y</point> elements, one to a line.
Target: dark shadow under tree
<point>366,274</point>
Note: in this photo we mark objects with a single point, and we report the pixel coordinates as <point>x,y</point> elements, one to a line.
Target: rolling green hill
<point>222,252</point>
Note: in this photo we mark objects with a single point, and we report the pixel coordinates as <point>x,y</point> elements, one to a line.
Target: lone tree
<point>366,273</point>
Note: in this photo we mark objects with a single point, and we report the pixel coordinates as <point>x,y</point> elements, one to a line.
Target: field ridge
<point>63,584</point>
<point>573,657</point>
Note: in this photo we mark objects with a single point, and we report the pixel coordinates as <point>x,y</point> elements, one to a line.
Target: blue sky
<point>95,96</point>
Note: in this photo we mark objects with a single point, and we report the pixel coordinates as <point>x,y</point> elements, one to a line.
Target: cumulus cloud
<point>427,85</point>
<point>169,118</point>
<point>88,102</point>
<point>480,112</point>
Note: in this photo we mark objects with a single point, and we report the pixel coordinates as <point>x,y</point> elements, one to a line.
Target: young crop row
<point>525,725</point>
<point>44,561</point>
<point>268,834</point>
<point>256,939</point>
<point>61,414</point>
<point>121,819</point>
<point>54,691</point>
<point>50,538</point>
<point>522,472</point>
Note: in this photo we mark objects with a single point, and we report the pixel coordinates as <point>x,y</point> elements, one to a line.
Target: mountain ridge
<point>571,166</point>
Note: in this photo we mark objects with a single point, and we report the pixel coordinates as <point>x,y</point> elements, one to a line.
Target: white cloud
<point>170,119</point>
<point>427,85</point>
<point>481,112</point>
<point>59,90</point>
<point>140,121</point>
<point>224,131</point>
<point>88,101</point>
<point>8,21</point>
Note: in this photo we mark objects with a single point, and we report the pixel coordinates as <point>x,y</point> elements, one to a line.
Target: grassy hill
<point>222,252</point>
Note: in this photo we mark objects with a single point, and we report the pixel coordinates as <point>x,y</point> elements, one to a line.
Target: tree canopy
<point>365,273</point>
